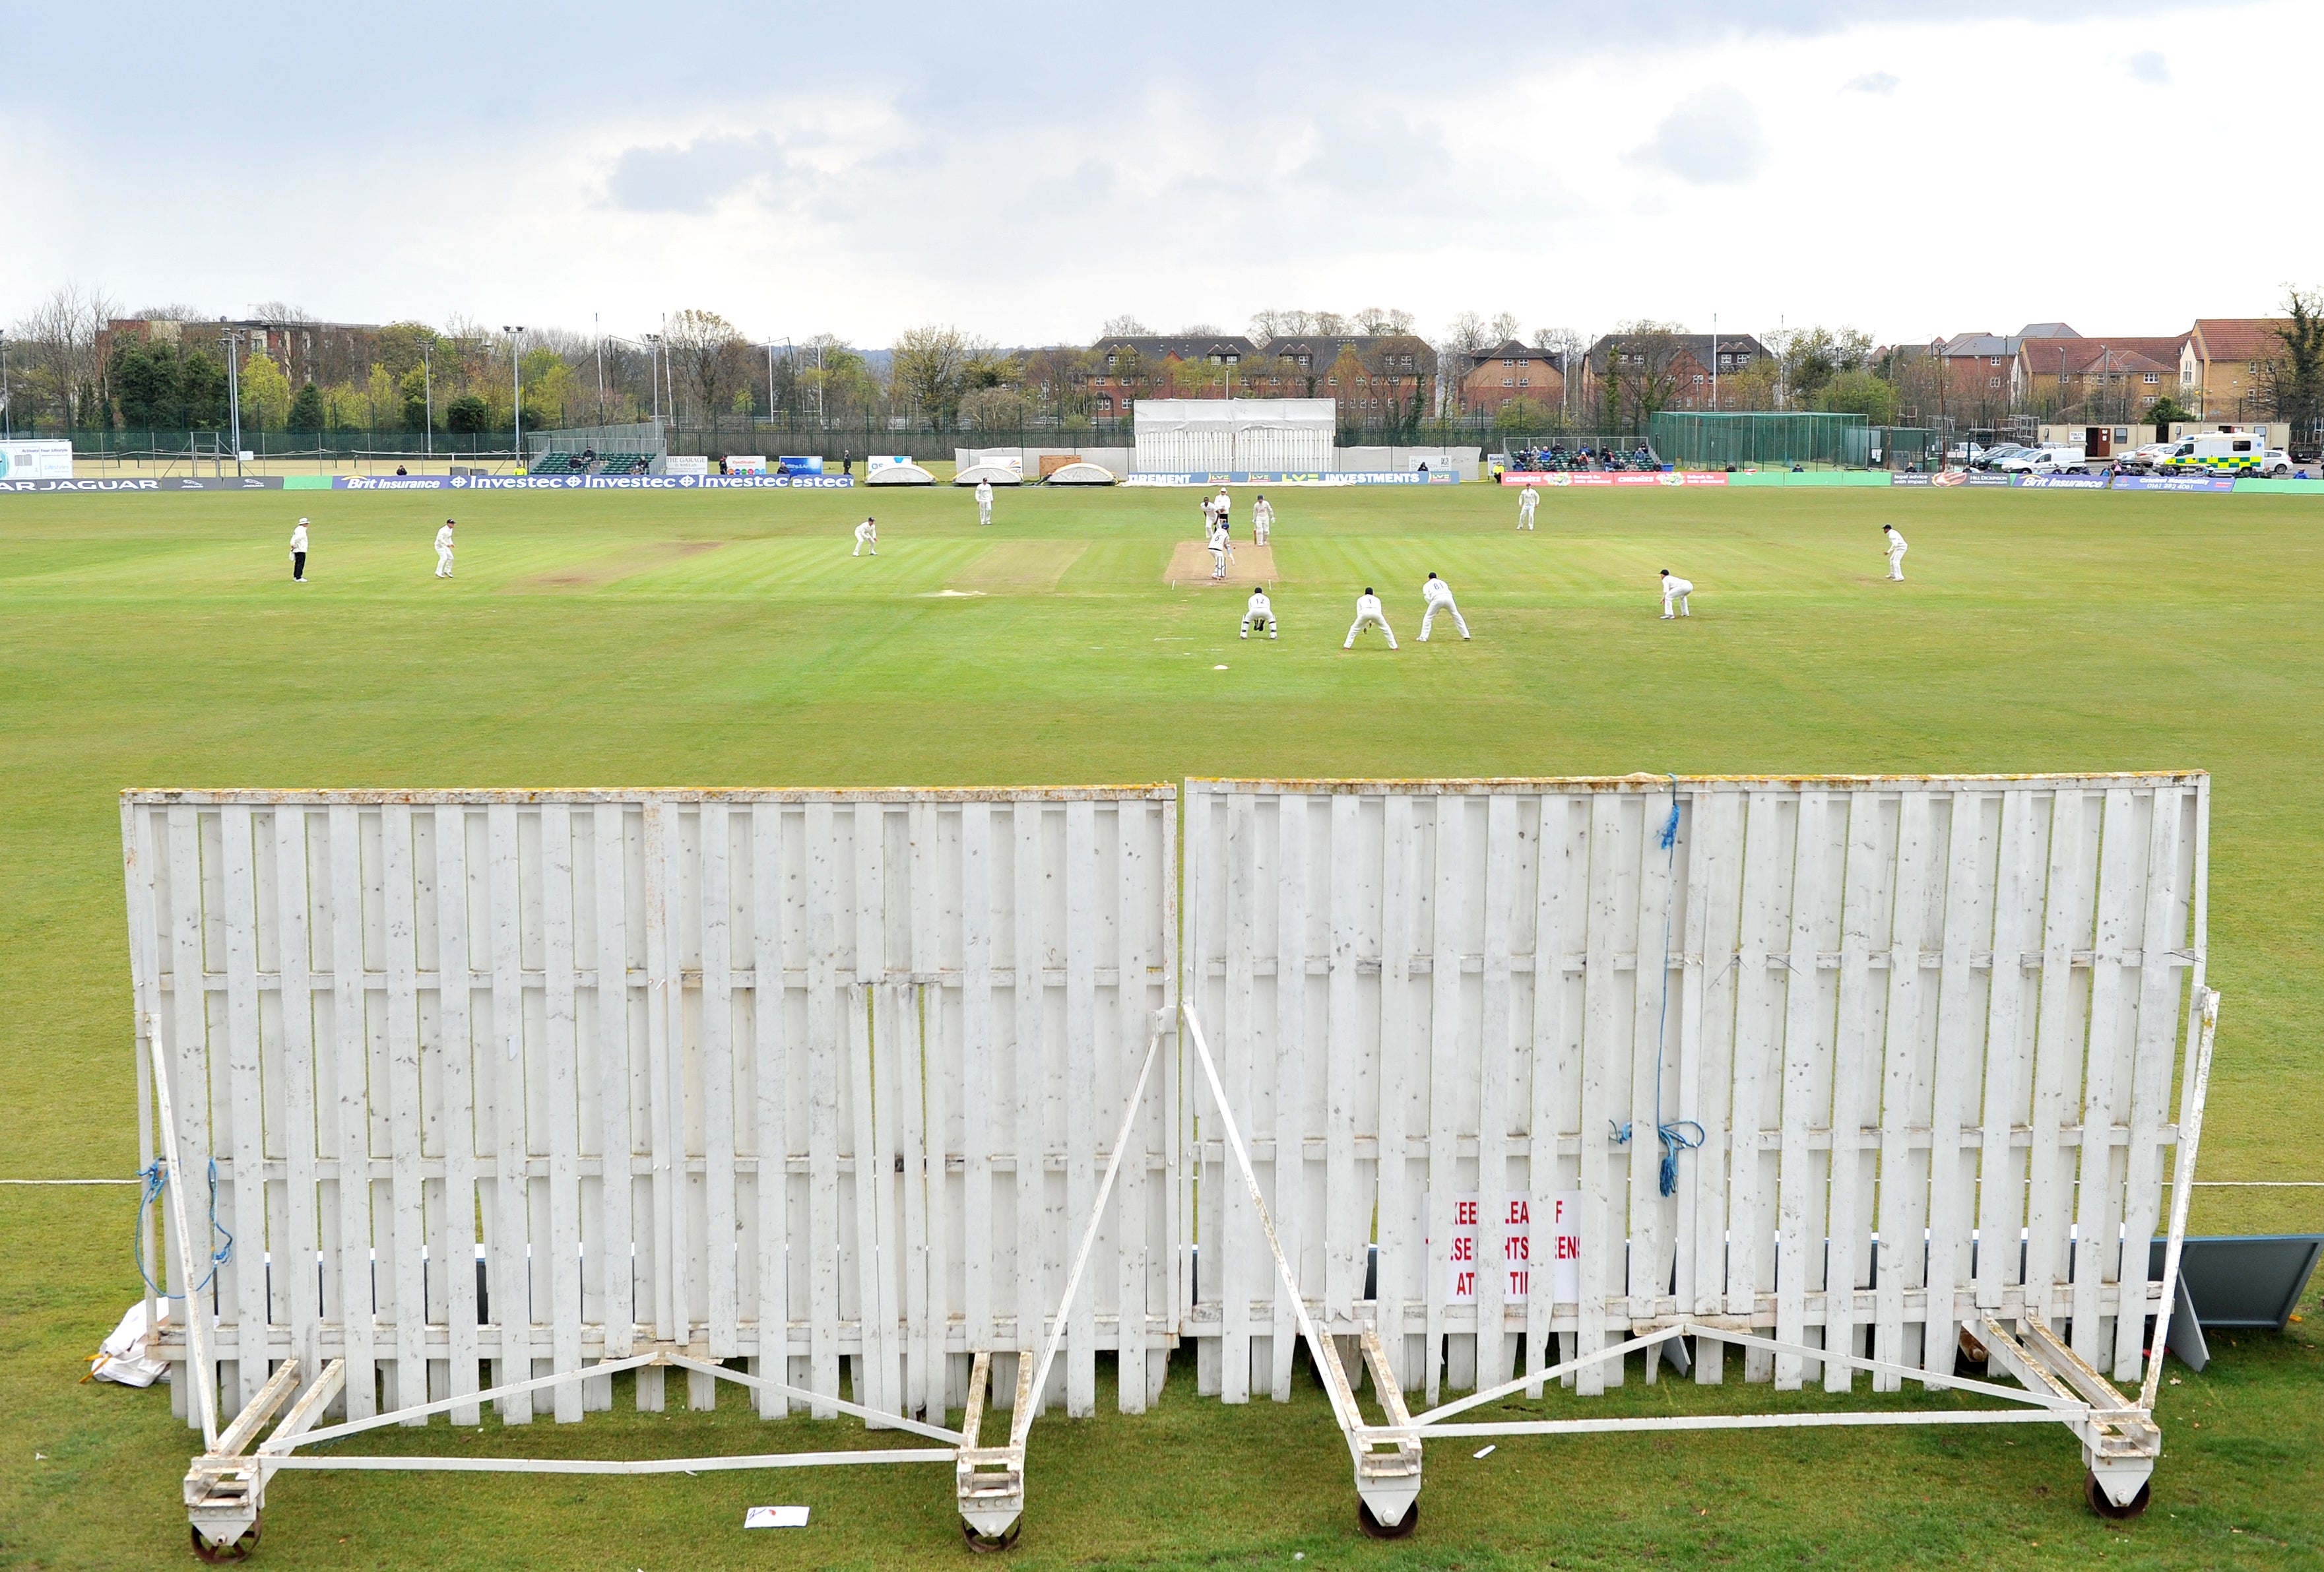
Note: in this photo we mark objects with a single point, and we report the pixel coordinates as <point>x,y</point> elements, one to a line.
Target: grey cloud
<point>1880,82</point>
<point>1375,154</point>
<point>1712,139</point>
<point>689,178</point>
<point>2148,66</point>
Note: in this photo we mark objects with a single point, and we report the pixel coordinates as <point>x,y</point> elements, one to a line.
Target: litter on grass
<point>1482,1452</point>
<point>775,1517</point>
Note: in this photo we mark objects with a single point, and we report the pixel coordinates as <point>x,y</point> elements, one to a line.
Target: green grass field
<point>729,639</point>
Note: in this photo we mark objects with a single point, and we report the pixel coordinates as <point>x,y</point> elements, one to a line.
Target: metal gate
<point>550,1082</point>
<point>1838,1066</point>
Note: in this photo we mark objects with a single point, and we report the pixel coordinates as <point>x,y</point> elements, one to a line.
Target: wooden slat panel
<point>1856,1076</point>
<point>2059,1040</point>
<point>454,1059</point>
<point>1290,1076</point>
<point>1029,1135</point>
<point>352,1148</point>
<point>1442,1070</point>
<point>1963,1011</point>
<point>1347,1204</point>
<point>1234,1264</point>
<point>242,1173</point>
<point>980,1118</point>
<point>296,1057</point>
<point>827,1010</point>
<point>1904,1096</point>
<point>1399,1271</point>
<point>1082,1049</point>
<point>2001,1175</point>
<point>401,1241</point>
<point>2099,1245</point>
<point>561,1050</point>
<point>1553,1094</point>
<point>1497,1072</point>
<point>771,1073</point>
<point>2160,933</point>
<point>1714,836</point>
<point>508,1226</point>
<point>720,1290</point>
<point>1602,1221</point>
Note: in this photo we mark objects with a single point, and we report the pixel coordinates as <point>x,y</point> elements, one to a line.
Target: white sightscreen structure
<point>797,1078</point>
<point>1180,436</point>
<point>1914,1042</point>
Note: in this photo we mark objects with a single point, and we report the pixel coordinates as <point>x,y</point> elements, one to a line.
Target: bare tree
<point>930,366</point>
<point>1273,324</point>
<point>709,359</point>
<point>58,343</point>
<point>1124,326</point>
<point>1385,322</point>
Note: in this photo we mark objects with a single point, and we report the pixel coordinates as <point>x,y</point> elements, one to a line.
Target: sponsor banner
<point>694,464</point>
<point>2179,482</point>
<point>36,460</point>
<point>1986,477</point>
<point>591,482</point>
<point>173,483</point>
<point>877,462</point>
<point>796,463</point>
<point>2065,482</point>
<point>1901,480</point>
<point>749,464</point>
<point>1511,1221</point>
<point>1289,478</point>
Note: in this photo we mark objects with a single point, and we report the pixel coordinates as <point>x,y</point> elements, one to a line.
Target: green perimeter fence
<point>1711,440</point>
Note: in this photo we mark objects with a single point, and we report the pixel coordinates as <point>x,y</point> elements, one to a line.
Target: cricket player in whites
<point>984,501</point>
<point>1222,548</point>
<point>1895,553</point>
<point>1526,505</point>
<point>298,553</point>
<point>1260,611</point>
<point>1223,506</point>
<point>867,533</point>
<point>1675,589</point>
<point>1262,520</point>
<point>1368,614</point>
<point>444,550</point>
<point>1436,595</point>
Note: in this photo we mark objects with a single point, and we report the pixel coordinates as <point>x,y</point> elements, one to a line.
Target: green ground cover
<point>728,639</point>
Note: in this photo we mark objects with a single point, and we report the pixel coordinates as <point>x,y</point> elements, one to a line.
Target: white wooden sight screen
<point>1926,1030</point>
<point>795,1077</point>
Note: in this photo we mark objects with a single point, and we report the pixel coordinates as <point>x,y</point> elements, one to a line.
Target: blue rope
<point>155,1177</point>
<point>1673,1133</point>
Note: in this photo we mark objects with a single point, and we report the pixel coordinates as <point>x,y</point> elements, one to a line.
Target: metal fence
<point>1708,440</point>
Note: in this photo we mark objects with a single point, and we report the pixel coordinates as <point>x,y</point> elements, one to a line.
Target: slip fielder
<point>867,534</point>
<point>1436,595</point>
<point>1368,614</point>
<point>1896,549</point>
<point>1675,589</point>
<point>1259,612</point>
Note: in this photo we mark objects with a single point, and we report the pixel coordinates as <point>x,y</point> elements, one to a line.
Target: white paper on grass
<point>775,1517</point>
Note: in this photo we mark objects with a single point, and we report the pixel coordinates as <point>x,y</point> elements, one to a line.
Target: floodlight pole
<point>653,372</point>
<point>516,382</point>
<point>232,338</point>
<point>8,406</point>
<point>428,392</point>
<point>1714,360</point>
<point>598,334</point>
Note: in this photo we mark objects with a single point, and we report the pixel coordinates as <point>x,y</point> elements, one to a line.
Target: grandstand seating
<point>598,463</point>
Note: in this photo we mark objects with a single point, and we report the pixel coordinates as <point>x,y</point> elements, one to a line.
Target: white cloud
<point>1712,139</point>
<point>1879,83</point>
<point>2150,68</point>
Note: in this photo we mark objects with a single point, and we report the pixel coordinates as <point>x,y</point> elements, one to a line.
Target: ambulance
<point>2215,453</point>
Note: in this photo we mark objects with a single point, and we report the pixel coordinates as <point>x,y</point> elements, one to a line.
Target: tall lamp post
<point>8,406</point>
<point>428,392</point>
<point>653,372</point>
<point>516,385</point>
<point>232,339</point>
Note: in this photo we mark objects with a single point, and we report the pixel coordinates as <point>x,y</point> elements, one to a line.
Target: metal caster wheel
<point>2106,1508</point>
<point>989,1544</point>
<point>222,1555</point>
<point>1380,1530</point>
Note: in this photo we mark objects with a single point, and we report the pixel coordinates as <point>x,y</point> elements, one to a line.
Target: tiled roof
<point>2240,338</point>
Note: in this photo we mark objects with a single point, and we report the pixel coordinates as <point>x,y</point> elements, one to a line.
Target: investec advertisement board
<point>1615,477</point>
<point>592,482</point>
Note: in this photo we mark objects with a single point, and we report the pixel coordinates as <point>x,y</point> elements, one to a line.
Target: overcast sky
<point>1027,171</point>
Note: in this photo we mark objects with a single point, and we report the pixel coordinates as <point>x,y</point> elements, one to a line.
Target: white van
<point>2049,460</point>
<point>2216,453</point>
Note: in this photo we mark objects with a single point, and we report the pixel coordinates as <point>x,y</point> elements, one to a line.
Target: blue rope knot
<point>1675,1138</point>
<point>154,1177</point>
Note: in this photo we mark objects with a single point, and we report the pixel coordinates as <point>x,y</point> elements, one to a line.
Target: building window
<point>2153,377</point>
<point>1521,382</point>
<point>1698,376</point>
<point>1509,382</point>
<point>1993,382</point>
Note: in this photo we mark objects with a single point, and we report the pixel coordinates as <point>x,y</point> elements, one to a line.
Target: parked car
<point>2144,457</point>
<point>1965,453</point>
<point>2045,461</point>
<point>2276,464</point>
<point>1993,454</point>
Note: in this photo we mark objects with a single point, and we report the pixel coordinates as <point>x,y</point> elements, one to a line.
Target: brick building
<point>325,352</point>
<point>2226,366</point>
<point>1509,371</point>
<point>2112,378</point>
<point>1678,367</point>
<point>1375,378</point>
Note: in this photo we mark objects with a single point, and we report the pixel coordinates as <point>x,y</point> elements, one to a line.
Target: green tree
<point>1859,392</point>
<point>1522,416</point>
<point>201,390</point>
<point>145,379</point>
<point>265,393</point>
<point>306,409</point>
<point>2297,381</point>
<point>467,415</point>
<point>413,388</point>
<point>930,367</point>
<point>2164,410</point>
